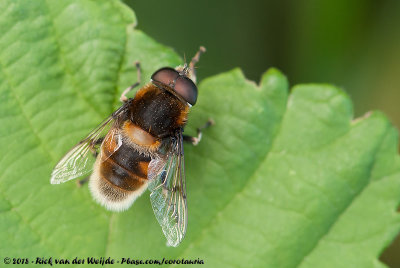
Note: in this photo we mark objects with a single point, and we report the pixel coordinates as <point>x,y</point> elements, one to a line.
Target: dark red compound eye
<point>186,89</point>
<point>181,84</point>
<point>165,75</point>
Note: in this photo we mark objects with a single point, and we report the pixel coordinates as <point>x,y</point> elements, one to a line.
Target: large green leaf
<point>276,182</point>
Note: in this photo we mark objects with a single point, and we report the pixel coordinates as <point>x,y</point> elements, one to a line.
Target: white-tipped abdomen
<point>110,196</point>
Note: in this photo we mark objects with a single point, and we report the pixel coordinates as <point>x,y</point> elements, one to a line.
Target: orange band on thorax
<point>138,135</point>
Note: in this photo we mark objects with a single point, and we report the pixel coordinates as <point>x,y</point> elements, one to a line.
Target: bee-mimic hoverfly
<point>140,146</point>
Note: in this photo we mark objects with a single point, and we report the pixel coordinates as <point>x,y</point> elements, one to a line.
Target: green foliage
<point>277,182</point>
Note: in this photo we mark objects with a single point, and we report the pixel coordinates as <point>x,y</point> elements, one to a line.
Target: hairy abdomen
<point>119,178</point>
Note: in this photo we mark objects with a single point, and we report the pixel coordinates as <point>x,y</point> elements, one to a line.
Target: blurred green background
<point>353,44</point>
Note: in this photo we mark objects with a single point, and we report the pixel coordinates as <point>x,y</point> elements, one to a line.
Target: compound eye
<point>166,76</point>
<point>186,89</point>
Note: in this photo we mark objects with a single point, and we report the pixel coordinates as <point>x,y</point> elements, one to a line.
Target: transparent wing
<point>168,192</point>
<point>80,159</point>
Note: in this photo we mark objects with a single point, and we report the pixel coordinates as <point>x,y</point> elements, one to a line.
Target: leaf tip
<point>126,13</point>
<point>275,78</point>
<point>373,115</point>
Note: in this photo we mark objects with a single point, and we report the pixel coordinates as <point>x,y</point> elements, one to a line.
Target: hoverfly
<point>140,146</point>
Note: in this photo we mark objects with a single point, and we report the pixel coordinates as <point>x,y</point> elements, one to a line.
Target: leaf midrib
<point>63,62</point>
<point>79,95</point>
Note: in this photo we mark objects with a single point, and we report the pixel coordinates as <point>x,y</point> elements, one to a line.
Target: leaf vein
<point>351,201</point>
<point>64,62</point>
<point>23,112</point>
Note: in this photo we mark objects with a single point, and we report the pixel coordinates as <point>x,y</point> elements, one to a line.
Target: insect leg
<point>123,97</point>
<point>81,182</point>
<point>195,60</point>
<point>93,144</point>
<point>197,139</point>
